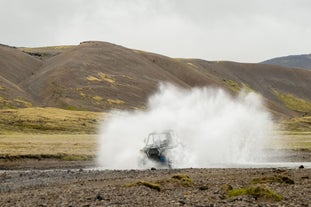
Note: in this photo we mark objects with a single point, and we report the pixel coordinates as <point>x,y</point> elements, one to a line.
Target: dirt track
<point>209,187</point>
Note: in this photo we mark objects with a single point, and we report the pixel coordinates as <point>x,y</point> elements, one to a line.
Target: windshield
<point>159,139</point>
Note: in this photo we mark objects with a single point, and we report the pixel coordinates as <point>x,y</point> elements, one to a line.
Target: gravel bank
<point>195,187</point>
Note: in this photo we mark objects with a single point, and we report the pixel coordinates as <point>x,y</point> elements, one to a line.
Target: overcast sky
<point>237,30</point>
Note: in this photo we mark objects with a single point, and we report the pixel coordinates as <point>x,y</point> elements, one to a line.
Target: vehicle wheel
<point>142,161</point>
<point>169,164</point>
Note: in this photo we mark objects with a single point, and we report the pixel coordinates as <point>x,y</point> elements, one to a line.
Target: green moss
<point>183,178</point>
<point>97,98</point>
<point>92,78</point>
<point>234,86</point>
<point>72,157</point>
<point>153,186</point>
<point>247,87</point>
<point>274,179</point>
<point>115,101</point>
<point>101,77</point>
<point>256,192</point>
<point>293,102</point>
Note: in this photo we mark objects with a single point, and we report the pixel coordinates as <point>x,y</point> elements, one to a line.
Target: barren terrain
<point>180,187</point>
<point>40,173</point>
<point>53,99</point>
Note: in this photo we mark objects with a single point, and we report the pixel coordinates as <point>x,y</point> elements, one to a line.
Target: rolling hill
<point>296,61</point>
<point>99,76</point>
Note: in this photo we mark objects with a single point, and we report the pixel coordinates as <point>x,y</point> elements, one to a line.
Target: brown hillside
<point>99,76</point>
<point>263,79</point>
<point>15,67</point>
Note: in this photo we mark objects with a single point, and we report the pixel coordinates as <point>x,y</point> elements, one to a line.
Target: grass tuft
<point>183,178</point>
<point>153,186</point>
<point>256,192</point>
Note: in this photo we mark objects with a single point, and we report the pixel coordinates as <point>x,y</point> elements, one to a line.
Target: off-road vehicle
<point>157,148</point>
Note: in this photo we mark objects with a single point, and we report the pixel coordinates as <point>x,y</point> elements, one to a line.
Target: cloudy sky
<point>237,30</point>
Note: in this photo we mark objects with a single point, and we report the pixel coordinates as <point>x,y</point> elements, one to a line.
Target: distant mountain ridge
<point>296,61</point>
<point>100,76</point>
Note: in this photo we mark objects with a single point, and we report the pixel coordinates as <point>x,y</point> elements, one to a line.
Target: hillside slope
<point>297,61</point>
<point>15,67</point>
<point>99,76</point>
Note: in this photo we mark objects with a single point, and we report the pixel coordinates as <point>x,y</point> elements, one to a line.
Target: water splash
<point>213,127</point>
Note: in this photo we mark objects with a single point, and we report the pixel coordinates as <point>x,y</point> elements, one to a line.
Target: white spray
<point>214,128</point>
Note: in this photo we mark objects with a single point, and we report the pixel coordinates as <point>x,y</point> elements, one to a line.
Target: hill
<point>99,76</point>
<point>296,61</point>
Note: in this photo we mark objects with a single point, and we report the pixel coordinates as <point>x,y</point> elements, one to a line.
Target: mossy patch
<point>234,86</point>
<point>256,192</point>
<point>92,78</point>
<point>106,78</point>
<point>153,186</point>
<point>183,177</point>
<point>293,102</point>
<point>273,179</point>
<point>115,101</point>
<point>178,180</point>
<point>97,98</point>
<point>237,87</point>
<point>101,77</point>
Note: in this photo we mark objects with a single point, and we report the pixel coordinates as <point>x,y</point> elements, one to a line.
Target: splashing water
<point>213,128</point>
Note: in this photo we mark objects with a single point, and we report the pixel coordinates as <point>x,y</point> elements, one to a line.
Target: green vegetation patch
<point>302,124</point>
<point>234,86</point>
<point>153,186</point>
<point>115,101</point>
<point>23,103</point>
<point>256,192</point>
<point>102,77</point>
<point>237,87</point>
<point>183,178</point>
<point>46,120</point>
<point>97,98</point>
<point>273,179</point>
<point>293,102</point>
<point>178,180</point>
<point>13,104</point>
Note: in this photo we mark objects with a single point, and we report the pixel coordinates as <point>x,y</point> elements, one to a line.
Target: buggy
<point>157,147</point>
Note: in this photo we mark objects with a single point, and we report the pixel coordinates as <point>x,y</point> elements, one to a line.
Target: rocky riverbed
<point>156,187</point>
